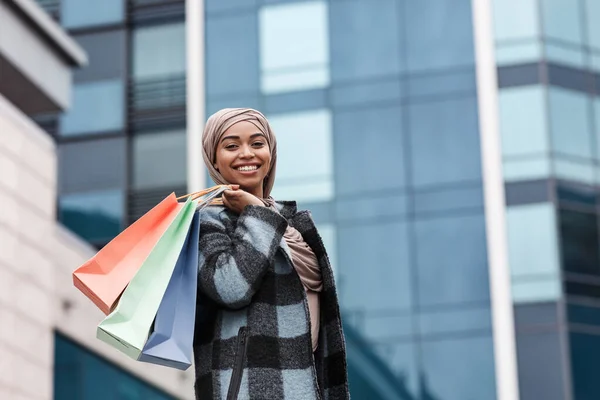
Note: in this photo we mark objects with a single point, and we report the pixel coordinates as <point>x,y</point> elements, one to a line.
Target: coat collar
<point>287,209</point>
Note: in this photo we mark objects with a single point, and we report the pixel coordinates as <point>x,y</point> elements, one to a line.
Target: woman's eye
<point>258,144</point>
<point>230,146</point>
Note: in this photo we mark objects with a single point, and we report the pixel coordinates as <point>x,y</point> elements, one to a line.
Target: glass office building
<point>375,106</point>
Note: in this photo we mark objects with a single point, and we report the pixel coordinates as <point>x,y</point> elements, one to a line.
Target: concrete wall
<point>37,256</point>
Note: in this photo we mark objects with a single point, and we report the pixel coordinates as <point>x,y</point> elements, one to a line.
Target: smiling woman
<point>274,330</point>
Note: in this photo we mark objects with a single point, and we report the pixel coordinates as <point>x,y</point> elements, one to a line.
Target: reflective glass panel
<point>585,353</point>
<point>384,247</point>
<point>451,250</point>
<point>96,107</point>
<point>84,13</point>
<point>303,65</point>
<point>516,19</point>
<point>579,242</point>
<point>95,216</point>
<point>363,136</point>
<point>365,39</point>
<point>92,165</point>
<point>523,117</point>
<point>449,374</point>
<point>159,51</point>
<point>562,20</point>
<point>106,53</point>
<point>229,39</point>
<point>540,365</point>
<point>444,140</point>
<point>439,34</point>
<point>159,160</point>
<point>300,135</point>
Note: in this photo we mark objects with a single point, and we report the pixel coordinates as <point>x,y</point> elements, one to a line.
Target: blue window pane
<point>80,13</point>
<point>95,216</point>
<point>579,242</point>
<point>585,353</point>
<point>444,138</point>
<point>584,315</point>
<point>570,123</point>
<point>451,82</point>
<point>97,107</point>
<point>452,260</point>
<point>449,199</point>
<point>445,322</point>
<point>159,160</point>
<point>540,366</point>
<point>388,280</point>
<point>592,13</point>
<point>360,138</point>
<point>439,34</point>
<point>92,165</point>
<point>562,20</point>
<point>81,374</point>
<point>106,53</point>
<point>516,19</point>
<point>365,39</point>
<point>159,52</point>
<point>229,39</point>
<point>458,369</point>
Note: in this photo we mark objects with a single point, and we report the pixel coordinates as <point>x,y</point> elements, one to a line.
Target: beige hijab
<point>222,120</point>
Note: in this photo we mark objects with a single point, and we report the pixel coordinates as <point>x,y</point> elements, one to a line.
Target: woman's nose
<point>246,152</point>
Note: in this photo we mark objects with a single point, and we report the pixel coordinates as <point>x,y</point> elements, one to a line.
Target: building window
<point>369,134</point>
<point>92,165</point>
<point>533,253</point>
<point>439,35</point>
<point>159,160</point>
<point>366,40</point>
<point>445,149</point>
<point>580,242</point>
<point>106,52</point>
<point>299,134</point>
<point>95,216</point>
<point>81,374</point>
<point>159,52</point>
<point>85,13</point>
<point>97,107</point>
<point>453,250</point>
<point>159,65</point>
<point>294,47</point>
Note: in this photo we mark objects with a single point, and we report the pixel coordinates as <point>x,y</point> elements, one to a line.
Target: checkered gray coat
<point>253,342</point>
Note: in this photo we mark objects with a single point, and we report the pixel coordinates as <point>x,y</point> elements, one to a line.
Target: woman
<point>274,331</point>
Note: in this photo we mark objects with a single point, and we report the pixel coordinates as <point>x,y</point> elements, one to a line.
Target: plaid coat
<point>254,341</point>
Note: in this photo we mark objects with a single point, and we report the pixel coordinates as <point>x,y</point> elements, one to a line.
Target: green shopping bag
<point>127,327</point>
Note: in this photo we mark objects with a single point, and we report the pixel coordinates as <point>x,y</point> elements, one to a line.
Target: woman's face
<point>243,157</point>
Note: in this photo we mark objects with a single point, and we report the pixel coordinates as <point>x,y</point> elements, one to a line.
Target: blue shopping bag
<point>171,341</point>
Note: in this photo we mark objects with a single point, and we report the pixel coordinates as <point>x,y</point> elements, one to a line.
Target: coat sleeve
<point>232,265</point>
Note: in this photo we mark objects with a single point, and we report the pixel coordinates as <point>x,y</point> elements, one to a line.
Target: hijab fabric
<point>218,123</point>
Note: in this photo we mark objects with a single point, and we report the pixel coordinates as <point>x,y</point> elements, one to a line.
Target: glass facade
<point>547,53</point>
<point>382,97</point>
<point>81,375</point>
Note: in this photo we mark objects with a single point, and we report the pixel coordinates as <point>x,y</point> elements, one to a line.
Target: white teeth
<point>248,168</point>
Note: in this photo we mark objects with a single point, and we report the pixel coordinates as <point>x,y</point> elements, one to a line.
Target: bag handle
<point>214,191</point>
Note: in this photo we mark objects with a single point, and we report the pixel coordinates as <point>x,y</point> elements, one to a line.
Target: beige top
<point>307,266</point>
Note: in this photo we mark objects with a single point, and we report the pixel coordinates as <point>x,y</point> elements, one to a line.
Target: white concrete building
<point>37,255</point>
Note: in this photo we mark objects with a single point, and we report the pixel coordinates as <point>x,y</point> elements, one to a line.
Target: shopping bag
<point>104,277</point>
<point>127,327</point>
<point>171,342</point>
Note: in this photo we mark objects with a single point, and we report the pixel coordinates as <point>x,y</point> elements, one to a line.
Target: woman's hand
<point>237,199</point>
